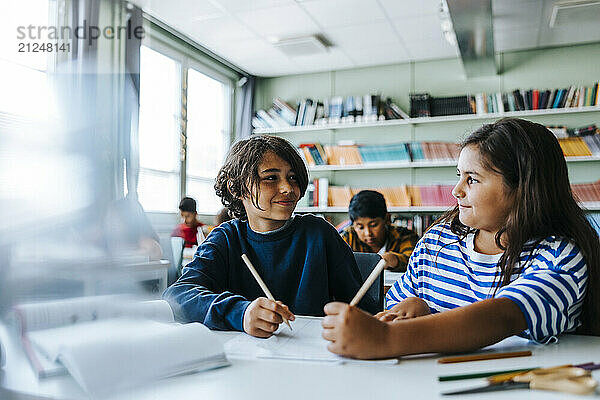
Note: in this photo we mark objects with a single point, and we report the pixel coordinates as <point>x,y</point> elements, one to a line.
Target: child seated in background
<point>222,216</point>
<point>515,256</point>
<point>190,229</point>
<point>372,232</point>
<point>302,259</point>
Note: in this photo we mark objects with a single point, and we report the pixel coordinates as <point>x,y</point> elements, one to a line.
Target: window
<point>207,131</point>
<point>160,88</point>
<point>206,137</point>
<point>25,88</point>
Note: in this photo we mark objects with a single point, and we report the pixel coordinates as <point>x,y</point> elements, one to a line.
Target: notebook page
<point>110,355</point>
<point>303,343</point>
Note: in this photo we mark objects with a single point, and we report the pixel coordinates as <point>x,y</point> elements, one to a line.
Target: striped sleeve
<point>551,289</point>
<point>406,286</point>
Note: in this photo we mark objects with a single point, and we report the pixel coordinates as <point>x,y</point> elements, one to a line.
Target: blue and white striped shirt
<point>549,291</point>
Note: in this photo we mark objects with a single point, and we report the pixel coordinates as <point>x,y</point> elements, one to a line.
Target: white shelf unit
<point>429,120</point>
<point>422,209</point>
<point>412,164</point>
<point>420,164</point>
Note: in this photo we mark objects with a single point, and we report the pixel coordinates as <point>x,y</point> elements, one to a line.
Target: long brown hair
<point>531,162</point>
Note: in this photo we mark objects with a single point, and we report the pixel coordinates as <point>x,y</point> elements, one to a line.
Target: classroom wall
<point>546,68</point>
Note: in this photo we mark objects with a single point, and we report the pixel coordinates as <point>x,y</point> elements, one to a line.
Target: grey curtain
<point>243,107</point>
<point>130,141</point>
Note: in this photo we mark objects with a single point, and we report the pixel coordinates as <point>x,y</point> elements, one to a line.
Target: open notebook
<point>108,344</point>
<point>304,343</point>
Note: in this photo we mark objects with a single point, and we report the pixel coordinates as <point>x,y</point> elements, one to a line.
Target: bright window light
<point>25,88</point>
<point>158,131</point>
<point>207,137</point>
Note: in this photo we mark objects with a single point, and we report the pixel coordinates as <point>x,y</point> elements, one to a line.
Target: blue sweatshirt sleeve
<point>199,294</point>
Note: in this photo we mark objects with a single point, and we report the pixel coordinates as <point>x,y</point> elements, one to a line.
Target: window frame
<point>188,57</point>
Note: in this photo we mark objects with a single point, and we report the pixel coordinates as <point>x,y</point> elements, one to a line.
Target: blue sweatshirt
<point>305,265</point>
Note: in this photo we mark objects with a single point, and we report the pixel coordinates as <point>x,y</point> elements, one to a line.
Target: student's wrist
<point>397,338</point>
<point>392,340</point>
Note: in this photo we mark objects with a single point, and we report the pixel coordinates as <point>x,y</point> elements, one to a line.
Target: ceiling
<point>362,32</point>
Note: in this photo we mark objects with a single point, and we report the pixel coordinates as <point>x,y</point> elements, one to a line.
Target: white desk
<point>411,378</point>
<point>131,272</point>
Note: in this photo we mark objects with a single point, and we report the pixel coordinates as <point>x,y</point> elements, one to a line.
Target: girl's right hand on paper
<point>263,316</point>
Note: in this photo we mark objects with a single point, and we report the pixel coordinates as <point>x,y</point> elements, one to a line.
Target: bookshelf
<point>412,164</point>
<point>545,68</point>
<point>411,210</point>
<point>430,120</point>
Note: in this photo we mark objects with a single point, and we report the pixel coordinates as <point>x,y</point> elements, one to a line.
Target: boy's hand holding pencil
<point>263,316</point>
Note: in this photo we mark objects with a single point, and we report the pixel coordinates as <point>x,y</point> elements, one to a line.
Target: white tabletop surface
<point>412,378</point>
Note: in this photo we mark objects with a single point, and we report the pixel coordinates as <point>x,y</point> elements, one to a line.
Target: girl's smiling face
<point>483,197</point>
<point>277,194</point>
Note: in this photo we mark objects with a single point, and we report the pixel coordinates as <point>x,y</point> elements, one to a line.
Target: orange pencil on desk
<point>262,285</point>
<point>483,356</point>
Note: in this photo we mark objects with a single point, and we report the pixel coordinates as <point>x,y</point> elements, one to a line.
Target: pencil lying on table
<point>262,285</point>
<point>484,356</point>
<point>363,289</point>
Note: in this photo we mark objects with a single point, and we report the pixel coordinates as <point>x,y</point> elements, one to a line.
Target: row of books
<point>331,110</point>
<point>417,223</point>
<point>352,154</point>
<point>321,194</point>
<point>424,105</point>
<point>587,192</point>
<point>563,131</point>
<point>583,146</point>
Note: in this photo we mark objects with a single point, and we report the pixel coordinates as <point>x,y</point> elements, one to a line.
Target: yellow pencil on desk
<point>363,289</point>
<point>262,284</point>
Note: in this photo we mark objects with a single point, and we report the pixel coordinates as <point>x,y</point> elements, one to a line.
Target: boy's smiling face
<point>278,193</point>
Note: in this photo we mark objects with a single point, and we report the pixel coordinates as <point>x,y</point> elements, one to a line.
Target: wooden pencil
<point>484,356</point>
<point>262,284</point>
<point>367,284</point>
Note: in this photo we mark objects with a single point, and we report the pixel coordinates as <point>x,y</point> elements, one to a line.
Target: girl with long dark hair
<point>516,255</point>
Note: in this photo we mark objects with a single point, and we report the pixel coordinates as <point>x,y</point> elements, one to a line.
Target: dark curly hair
<point>239,178</point>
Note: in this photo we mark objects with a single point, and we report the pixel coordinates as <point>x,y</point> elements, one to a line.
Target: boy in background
<point>191,229</point>
<point>372,232</point>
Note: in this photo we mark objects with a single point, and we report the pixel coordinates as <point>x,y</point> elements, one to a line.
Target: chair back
<point>177,244</point>
<point>366,262</point>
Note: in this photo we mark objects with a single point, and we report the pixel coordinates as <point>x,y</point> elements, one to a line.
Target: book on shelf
<point>578,142</point>
<point>595,221</point>
<point>574,147</point>
<point>587,192</point>
<point>357,154</point>
<point>420,105</point>
<point>108,343</point>
<point>439,195</point>
<point>323,192</point>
